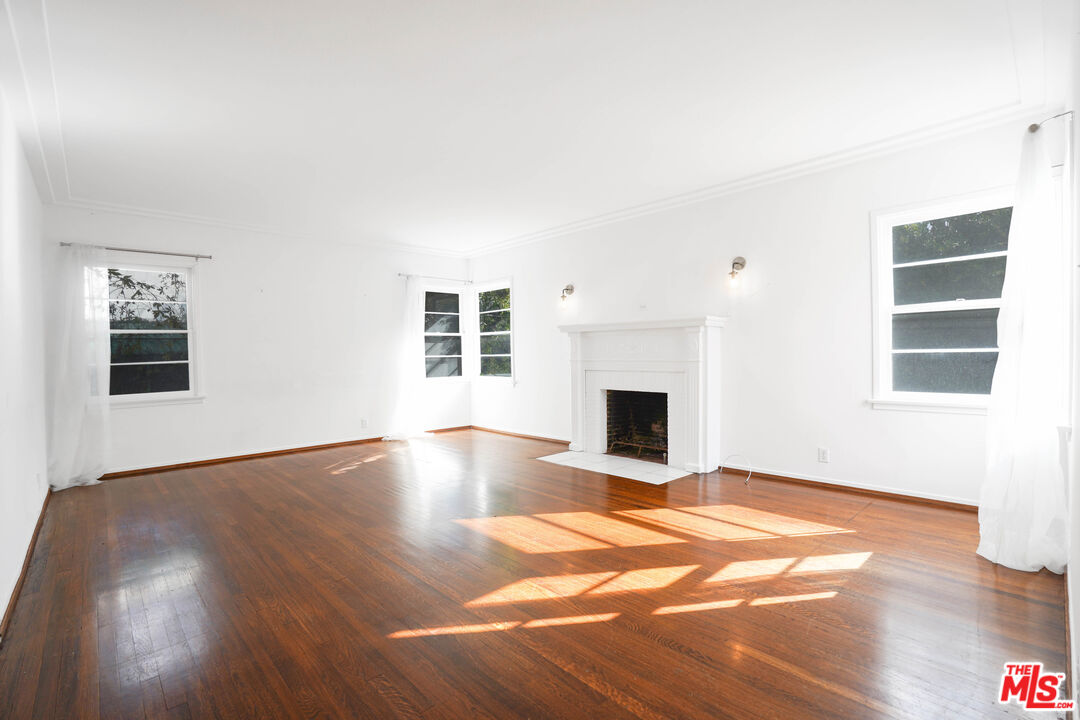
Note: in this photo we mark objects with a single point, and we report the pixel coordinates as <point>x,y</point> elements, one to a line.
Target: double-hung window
<point>442,334</point>
<point>938,279</point>
<point>496,357</point>
<point>149,332</point>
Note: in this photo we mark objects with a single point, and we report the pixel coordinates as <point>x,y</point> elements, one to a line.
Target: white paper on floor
<point>648,472</point>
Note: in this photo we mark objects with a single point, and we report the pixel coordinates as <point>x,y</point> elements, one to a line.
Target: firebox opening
<point>637,425</point>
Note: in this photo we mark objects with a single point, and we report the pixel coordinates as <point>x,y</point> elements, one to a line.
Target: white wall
<point>298,340</point>
<point>798,358</point>
<point>22,390</point>
<point>1073,570</point>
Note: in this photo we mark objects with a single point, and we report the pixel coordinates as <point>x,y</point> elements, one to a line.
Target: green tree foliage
<point>978,232</point>
<point>147,301</point>
<point>495,300</point>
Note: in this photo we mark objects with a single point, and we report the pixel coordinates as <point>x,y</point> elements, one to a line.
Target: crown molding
<point>41,128</point>
<point>93,206</point>
<point>153,214</point>
<point>14,61</point>
<point>994,118</point>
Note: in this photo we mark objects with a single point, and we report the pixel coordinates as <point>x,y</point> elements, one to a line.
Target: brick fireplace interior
<point>637,425</point>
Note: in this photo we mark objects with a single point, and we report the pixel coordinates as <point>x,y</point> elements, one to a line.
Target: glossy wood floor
<point>459,578</point>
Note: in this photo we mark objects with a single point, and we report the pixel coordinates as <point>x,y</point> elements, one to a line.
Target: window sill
<point>119,402</point>
<point>961,406</point>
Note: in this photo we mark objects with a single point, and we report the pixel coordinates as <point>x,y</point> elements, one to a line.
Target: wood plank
<point>455,576</point>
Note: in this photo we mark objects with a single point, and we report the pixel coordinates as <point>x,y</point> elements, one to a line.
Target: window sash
<point>152,362</point>
<point>509,333</point>
<point>958,258</point>
<point>424,332</point>
<point>188,304</point>
<point>885,308</point>
<point>919,351</point>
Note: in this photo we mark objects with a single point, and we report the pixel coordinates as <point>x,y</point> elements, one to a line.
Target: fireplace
<point>678,359</point>
<point>637,424</point>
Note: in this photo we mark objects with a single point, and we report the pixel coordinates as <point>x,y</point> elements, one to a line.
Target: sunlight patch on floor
<point>697,607</point>
<point>644,579</point>
<point>542,588</point>
<point>455,629</point>
<point>530,535</point>
<point>505,625</point>
<point>570,620</point>
<point>610,530</point>
<point>793,598</point>
<point>747,569</point>
<point>768,522</point>
<point>697,526</point>
<point>730,522</point>
<point>583,530</point>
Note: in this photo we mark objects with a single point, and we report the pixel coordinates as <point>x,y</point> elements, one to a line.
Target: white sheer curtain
<point>79,369</point>
<point>1023,514</point>
<point>407,418</point>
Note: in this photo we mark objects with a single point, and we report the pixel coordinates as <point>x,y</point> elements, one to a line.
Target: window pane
<point>969,279</point>
<point>495,300</point>
<point>141,315</point>
<point>979,232</point>
<point>158,347</point>
<point>961,329</point>
<point>495,366</point>
<point>441,302</point>
<point>440,345</point>
<point>444,367</point>
<point>495,344</point>
<point>442,323</point>
<point>944,372</point>
<point>495,322</point>
<point>132,379</point>
<point>147,285</point>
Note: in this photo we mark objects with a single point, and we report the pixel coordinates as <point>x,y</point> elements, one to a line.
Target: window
<point>148,331</point>
<point>442,334</point>
<point>496,358</point>
<point>938,280</point>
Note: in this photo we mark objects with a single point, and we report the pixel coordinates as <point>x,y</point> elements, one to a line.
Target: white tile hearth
<point>640,470</point>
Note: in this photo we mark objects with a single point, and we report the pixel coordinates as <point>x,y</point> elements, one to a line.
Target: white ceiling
<point>460,125</point>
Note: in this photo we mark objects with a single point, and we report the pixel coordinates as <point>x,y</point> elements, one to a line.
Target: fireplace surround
<point>679,358</point>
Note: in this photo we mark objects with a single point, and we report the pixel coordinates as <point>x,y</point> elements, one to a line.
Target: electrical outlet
<point>823,455</point>
<point>363,423</point>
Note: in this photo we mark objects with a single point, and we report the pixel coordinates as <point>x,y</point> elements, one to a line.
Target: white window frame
<point>881,252</point>
<point>187,266</point>
<point>486,286</point>
<point>463,304</point>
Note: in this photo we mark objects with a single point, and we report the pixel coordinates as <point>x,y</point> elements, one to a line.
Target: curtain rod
<point>1034,127</point>
<point>148,252</point>
<point>435,277</point>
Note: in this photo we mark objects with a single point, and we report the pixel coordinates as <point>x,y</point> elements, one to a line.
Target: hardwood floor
<point>458,578</point>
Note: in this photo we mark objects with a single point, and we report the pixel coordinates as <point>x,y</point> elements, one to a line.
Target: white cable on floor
<point>749,467</point>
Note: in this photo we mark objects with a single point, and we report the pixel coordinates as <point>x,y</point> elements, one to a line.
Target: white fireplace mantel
<point>679,357</point>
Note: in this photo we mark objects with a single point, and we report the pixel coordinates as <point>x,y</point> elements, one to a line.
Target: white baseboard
<point>212,458</point>
<point>848,484</point>
<point>577,448</point>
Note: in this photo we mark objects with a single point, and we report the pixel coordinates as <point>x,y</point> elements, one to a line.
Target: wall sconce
<point>736,265</point>
<point>567,291</point>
